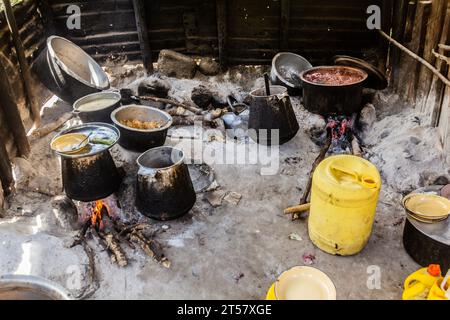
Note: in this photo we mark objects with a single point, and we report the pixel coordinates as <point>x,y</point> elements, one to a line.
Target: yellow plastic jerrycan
<point>344,198</point>
<point>417,286</point>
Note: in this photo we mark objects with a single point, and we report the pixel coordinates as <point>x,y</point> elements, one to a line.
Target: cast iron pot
<point>271,117</point>
<point>338,99</point>
<point>164,187</point>
<point>100,115</point>
<point>140,140</point>
<point>90,176</point>
<point>25,287</point>
<point>69,72</point>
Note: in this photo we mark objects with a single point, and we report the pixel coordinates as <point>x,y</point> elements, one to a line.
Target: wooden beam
<point>221,12</point>
<point>386,25</point>
<point>433,35</point>
<point>142,29</point>
<point>398,29</point>
<point>12,115</point>
<point>6,175</point>
<point>444,122</point>
<point>47,15</point>
<point>435,93</point>
<point>409,65</point>
<point>285,13</point>
<point>25,70</point>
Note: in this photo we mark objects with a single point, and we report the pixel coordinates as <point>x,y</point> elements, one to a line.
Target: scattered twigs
<point>416,57</point>
<point>441,57</point>
<point>190,108</point>
<point>297,209</point>
<point>319,159</point>
<point>50,127</point>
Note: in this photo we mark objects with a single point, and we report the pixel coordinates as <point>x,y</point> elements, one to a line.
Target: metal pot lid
<point>376,78</point>
<point>103,137</point>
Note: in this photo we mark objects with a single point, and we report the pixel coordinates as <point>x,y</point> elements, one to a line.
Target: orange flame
<point>96,216</point>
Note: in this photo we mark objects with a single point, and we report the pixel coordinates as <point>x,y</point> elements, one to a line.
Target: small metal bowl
<point>69,143</point>
<point>140,140</point>
<point>286,70</point>
<point>101,114</point>
<point>25,287</point>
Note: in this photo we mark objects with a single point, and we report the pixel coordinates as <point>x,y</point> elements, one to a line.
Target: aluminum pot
<point>97,115</point>
<point>91,174</point>
<point>341,99</point>
<point>164,187</point>
<point>271,117</point>
<point>428,242</point>
<point>25,287</point>
<point>140,140</point>
<point>69,72</point>
<point>286,70</point>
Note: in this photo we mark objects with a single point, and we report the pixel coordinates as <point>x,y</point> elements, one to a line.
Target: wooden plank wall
<point>426,28</point>
<point>255,29</point>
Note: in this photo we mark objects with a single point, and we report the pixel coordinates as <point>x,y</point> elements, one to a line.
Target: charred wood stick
<point>298,209</point>
<point>81,236</point>
<point>193,109</point>
<point>319,159</point>
<point>356,148</point>
<point>49,128</point>
<point>151,247</point>
<point>118,255</point>
<point>92,273</point>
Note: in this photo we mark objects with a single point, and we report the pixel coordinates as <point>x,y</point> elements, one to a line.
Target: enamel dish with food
<point>70,143</point>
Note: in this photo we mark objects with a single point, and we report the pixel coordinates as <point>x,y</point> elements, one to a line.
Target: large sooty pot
<point>99,114</point>
<point>25,287</point>
<point>329,99</point>
<point>271,117</point>
<point>69,72</point>
<point>141,140</point>
<point>164,186</point>
<point>91,174</point>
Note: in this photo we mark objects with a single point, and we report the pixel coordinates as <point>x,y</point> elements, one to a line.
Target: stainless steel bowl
<point>98,115</point>
<point>286,70</point>
<point>141,140</point>
<point>24,287</point>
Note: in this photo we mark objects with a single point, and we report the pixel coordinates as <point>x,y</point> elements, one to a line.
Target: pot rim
<point>364,74</point>
<point>61,64</point>
<point>75,105</point>
<point>165,114</point>
<point>53,289</point>
<point>162,168</point>
<point>279,76</point>
<point>285,90</point>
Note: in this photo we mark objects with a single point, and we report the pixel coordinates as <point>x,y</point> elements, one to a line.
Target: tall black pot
<point>271,116</point>
<point>164,187</point>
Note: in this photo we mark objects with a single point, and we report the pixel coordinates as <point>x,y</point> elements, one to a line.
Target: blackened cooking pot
<point>272,120</point>
<point>97,107</point>
<point>91,173</point>
<point>141,140</point>
<point>69,72</point>
<point>164,187</point>
<point>330,90</point>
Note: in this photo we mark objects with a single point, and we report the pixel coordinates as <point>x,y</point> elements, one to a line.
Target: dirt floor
<point>231,251</point>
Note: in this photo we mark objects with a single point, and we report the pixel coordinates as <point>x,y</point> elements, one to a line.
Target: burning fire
<point>96,217</point>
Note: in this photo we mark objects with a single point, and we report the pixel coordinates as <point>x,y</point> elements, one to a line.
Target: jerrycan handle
<point>444,282</point>
<point>364,181</point>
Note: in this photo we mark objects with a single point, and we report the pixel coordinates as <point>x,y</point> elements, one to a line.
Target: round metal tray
<point>25,287</point>
<point>100,129</point>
